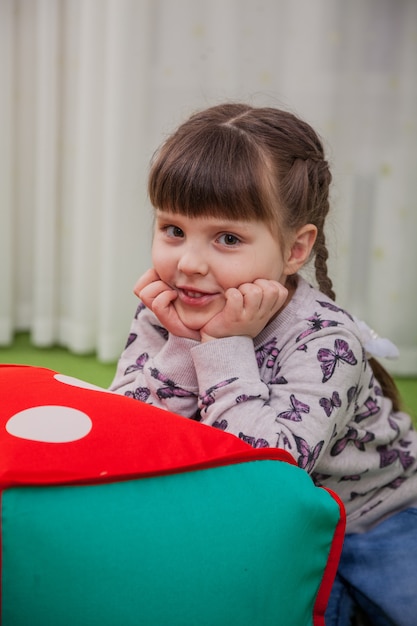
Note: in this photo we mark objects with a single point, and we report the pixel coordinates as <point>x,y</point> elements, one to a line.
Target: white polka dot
<point>50,424</point>
<point>76,382</point>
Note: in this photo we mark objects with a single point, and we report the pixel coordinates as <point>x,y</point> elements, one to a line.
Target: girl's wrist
<point>204,338</point>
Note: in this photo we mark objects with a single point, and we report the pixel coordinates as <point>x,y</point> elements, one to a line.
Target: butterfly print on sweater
<point>296,410</point>
<point>283,441</point>
<point>245,398</point>
<point>328,404</point>
<point>132,337</point>
<point>277,379</point>
<point>329,359</point>
<point>352,395</point>
<point>252,441</point>
<point>171,389</point>
<point>221,425</point>
<point>372,408</point>
<point>140,393</point>
<point>208,398</point>
<point>353,477</point>
<point>303,347</point>
<point>141,307</point>
<point>334,308</point>
<point>138,364</point>
<point>397,482</point>
<point>316,324</point>
<point>319,478</point>
<point>161,330</point>
<point>387,456</point>
<point>352,436</point>
<point>308,456</point>
<point>267,352</point>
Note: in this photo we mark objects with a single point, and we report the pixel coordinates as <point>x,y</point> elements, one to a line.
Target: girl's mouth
<point>193,297</point>
<point>192,294</point>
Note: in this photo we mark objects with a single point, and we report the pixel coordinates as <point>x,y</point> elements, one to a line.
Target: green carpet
<point>90,369</point>
<point>86,367</point>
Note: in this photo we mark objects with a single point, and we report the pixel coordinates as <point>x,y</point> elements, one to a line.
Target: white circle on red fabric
<point>50,424</point>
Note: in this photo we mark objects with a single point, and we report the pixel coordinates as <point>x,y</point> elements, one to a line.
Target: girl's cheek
<point>162,262</point>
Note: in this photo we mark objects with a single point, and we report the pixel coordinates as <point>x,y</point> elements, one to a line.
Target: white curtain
<point>89,89</point>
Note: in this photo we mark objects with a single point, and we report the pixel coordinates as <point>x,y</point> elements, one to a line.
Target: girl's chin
<point>192,323</point>
<point>194,320</point>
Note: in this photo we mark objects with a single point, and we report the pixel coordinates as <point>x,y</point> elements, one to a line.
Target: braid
<point>320,179</point>
<point>320,263</point>
<point>309,192</point>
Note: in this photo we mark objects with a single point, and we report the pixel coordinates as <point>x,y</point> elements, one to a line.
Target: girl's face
<point>201,257</point>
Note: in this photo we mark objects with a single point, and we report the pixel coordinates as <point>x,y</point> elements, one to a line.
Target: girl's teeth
<point>193,294</point>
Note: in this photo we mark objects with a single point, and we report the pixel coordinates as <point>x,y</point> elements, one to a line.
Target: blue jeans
<point>378,572</point>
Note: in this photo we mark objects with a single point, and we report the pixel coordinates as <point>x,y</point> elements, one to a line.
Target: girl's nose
<point>193,261</point>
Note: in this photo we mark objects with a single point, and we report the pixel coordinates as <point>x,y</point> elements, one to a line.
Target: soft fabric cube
<point>115,512</point>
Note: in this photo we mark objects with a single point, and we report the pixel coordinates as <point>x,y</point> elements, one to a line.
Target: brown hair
<point>247,163</point>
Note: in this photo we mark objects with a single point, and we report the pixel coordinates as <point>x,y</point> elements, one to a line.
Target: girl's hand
<point>159,297</point>
<point>247,310</point>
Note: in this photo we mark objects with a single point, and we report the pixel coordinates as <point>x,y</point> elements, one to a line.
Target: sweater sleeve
<point>299,404</point>
<point>156,367</point>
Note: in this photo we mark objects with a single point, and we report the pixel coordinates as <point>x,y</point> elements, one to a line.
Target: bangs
<point>214,172</point>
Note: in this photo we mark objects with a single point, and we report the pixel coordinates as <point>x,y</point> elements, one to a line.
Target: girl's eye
<point>174,231</point>
<point>229,240</point>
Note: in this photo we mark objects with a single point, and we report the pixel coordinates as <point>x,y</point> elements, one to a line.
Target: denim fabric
<point>378,572</point>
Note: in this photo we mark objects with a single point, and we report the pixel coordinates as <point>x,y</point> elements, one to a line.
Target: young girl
<point>228,333</point>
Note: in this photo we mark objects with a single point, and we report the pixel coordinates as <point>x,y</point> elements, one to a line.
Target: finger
<point>161,304</point>
<point>234,301</point>
<point>150,292</point>
<point>168,316</point>
<point>253,296</point>
<point>274,294</point>
<point>148,277</point>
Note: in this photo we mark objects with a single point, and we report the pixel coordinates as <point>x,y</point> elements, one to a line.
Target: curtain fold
<point>90,88</point>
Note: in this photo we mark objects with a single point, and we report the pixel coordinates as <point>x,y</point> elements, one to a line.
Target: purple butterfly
<point>316,324</point>
<point>278,380</point>
<point>308,456</point>
<point>294,414</point>
<point>390,455</point>
<point>171,390</point>
<point>352,476</point>
<point>404,444</point>
<point>378,391</point>
<point>329,358</point>
<point>140,393</point>
<point>139,363</point>
<point>208,398</point>
<point>328,404</point>
<point>244,398</point>
<point>319,478</point>
<point>372,408</point>
<point>283,441</point>
<point>352,394</point>
<point>161,330</point>
<point>255,443</point>
<point>353,436</point>
<point>221,425</point>
<point>267,352</point>
<point>130,339</point>
<point>334,308</point>
<point>139,309</point>
<point>397,482</point>
<point>357,494</point>
<point>393,424</point>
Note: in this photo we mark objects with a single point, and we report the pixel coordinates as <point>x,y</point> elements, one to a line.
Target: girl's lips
<point>193,297</point>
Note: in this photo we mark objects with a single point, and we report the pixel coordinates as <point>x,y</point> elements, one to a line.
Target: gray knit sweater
<point>303,384</point>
